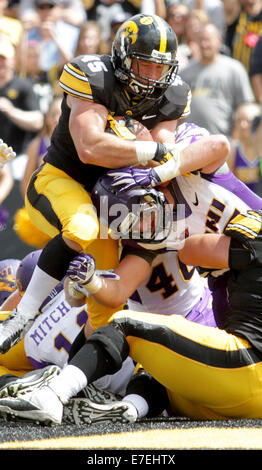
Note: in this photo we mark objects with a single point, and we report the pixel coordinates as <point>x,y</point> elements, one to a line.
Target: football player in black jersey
<point>139,80</point>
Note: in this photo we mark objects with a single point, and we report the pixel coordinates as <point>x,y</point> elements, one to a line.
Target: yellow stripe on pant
<point>209,374</point>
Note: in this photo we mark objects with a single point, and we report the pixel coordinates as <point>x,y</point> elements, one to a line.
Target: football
<point>118,125</point>
<point>142,133</point>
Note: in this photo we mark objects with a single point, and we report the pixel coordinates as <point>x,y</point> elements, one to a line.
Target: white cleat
<point>29,382</point>
<point>41,406</point>
<point>13,329</point>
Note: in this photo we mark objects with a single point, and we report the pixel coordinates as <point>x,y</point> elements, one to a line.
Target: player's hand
<point>82,269</point>
<point>6,153</point>
<point>128,178</point>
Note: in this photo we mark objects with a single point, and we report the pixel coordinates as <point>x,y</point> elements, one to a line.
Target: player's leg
<point>207,372</point>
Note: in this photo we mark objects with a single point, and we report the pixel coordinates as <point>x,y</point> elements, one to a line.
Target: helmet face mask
<point>142,215</point>
<point>145,38</point>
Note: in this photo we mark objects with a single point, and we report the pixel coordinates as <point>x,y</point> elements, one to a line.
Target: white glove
<point>6,153</point>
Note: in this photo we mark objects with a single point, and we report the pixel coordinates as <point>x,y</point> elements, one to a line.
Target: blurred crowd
<point>220,57</point>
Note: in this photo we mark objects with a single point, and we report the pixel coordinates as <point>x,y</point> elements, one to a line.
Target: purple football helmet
<point>8,269</point>
<point>141,214</point>
<point>26,268</point>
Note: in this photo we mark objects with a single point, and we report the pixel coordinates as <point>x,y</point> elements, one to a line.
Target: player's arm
<point>94,146</point>
<point>131,272</point>
<point>207,153</point>
<point>206,250</point>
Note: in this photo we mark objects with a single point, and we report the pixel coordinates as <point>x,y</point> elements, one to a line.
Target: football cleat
<point>84,411</point>
<point>98,395</point>
<point>40,406</point>
<point>12,386</point>
<point>13,329</point>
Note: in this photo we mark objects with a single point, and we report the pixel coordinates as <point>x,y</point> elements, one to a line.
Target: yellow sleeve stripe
<point>75,83</point>
<point>76,71</point>
<point>249,226</point>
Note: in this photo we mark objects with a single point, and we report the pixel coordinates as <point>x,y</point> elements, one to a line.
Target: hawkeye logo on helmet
<point>129,32</point>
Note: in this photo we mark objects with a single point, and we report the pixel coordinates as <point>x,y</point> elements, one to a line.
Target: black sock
<point>55,257</point>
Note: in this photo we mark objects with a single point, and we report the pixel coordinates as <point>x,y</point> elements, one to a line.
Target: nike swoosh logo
<point>148,117</point>
<point>196,201</point>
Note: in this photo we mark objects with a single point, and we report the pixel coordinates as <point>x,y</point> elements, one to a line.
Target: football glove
<point>6,153</point>
<point>131,177</point>
<point>82,271</point>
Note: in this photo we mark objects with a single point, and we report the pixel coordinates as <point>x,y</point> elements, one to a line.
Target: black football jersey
<point>92,78</point>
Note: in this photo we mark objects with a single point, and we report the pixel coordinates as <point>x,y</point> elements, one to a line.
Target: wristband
<point>145,151</point>
<point>170,169</point>
<point>94,285</point>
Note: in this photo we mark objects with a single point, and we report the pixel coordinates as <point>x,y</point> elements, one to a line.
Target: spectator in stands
<point>256,70</point>
<point>57,38</point>
<point>243,34</point>
<point>177,16</point>
<point>246,144</point>
<point>219,84</point>
<point>89,41</point>
<point>11,27</point>
<point>71,11</point>
<point>30,68</point>
<point>231,11</point>
<point>190,47</point>
<point>20,117</point>
<point>213,8</point>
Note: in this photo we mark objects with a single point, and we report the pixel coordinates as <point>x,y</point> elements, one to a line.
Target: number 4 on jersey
<point>160,279</point>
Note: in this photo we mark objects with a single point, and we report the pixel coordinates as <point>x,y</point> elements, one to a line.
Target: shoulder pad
<point>89,77</point>
<point>178,97</point>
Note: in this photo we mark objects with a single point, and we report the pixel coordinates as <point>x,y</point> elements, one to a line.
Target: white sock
<point>39,287</point>
<point>139,403</point>
<point>68,383</point>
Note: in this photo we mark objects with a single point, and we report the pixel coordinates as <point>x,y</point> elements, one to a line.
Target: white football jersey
<point>50,338</point>
<point>171,288</point>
